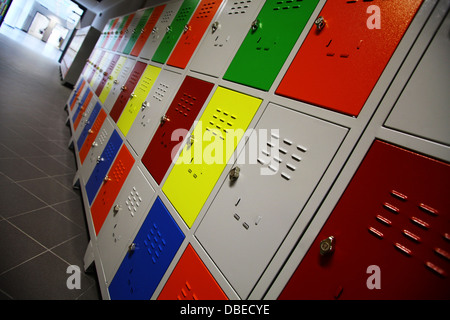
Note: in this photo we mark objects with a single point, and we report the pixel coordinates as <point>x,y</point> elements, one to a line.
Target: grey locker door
<point>129,209</point>
<point>224,36</point>
<point>149,116</point>
<point>281,165</point>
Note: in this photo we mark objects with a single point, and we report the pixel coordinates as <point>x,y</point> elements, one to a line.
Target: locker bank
<point>279,150</point>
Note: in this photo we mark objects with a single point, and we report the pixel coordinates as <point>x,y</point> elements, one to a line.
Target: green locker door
<point>137,31</point>
<point>269,41</point>
<point>173,32</point>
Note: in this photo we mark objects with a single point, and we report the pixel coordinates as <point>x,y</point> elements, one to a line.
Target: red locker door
<point>343,56</point>
<point>181,114</point>
<point>391,234</point>
<point>147,30</point>
<point>106,75</point>
<point>111,186</point>
<point>92,135</point>
<point>191,280</point>
<point>193,33</point>
<point>126,90</point>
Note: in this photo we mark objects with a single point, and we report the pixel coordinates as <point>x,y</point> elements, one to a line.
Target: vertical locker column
<point>112,79</point>
<point>103,65</point>
<point>213,141</point>
<point>193,33</point>
<point>398,225</point>
<point>107,74</point>
<point>269,41</point>
<point>92,135</point>
<point>346,52</point>
<point>123,30</point>
<point>114,34</point>
<point>174,125</point>
<point>130,30</point>
<point>110,33</point>
<point>88,125</point>
<point>83,105</point>
<point>76,94</point>
<point>95,67</point>
<point>137,31</point>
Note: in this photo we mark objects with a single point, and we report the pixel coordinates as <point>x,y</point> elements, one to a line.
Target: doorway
<point>38,25</point>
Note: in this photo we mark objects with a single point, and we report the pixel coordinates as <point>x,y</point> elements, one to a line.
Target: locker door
<point>149,115</point>
<point>147,30</point>
<point>149,256</point>
<point>96,64</point>
<point>112,79</point>
<point>348,54</point>
<point>92,135</point>
<point>212,143</point>
<point>137,98</point>
<point>113,34</point>
<point>127,90</point>
<point>76,94</point>
<point>193,33</point>
<point>130,30</point>
<point>83,119</point>
<point>123,30</point>
<point>138,30</point>
<point>88,125</point>
<point>103,65</point>
<point>268,42</point>
<point>284,160</point>
<point>107,33</point>
<point>90,65</point>
<point>103,163</point>
<point>129,209</point>
<point>191,280</point>
<point>174,31</point>
<point>393,217</point>
<point>224,36</point>
<point>159,30</point>
<point>181,114</point>
<point>84,103</point>
<point>112,183</point>
<point>106,75</point>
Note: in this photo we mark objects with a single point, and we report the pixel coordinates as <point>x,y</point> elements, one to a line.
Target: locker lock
<point>234,173</point>
<point>320,23</point>
<point>154,30</point>
<point>164,118</point>
<point>215,26</point>
<point>116,209</point>
<point>145,104</point>
<point>133,95</point>
<point>132,248</point>
<point>94,144</point>
<point>168,29</point>
<point>255,25</point>
<point>187,28</point>
<point>116,81</point>
<point>100,159</point>
<point>123,88</point>
<point>327,246</point>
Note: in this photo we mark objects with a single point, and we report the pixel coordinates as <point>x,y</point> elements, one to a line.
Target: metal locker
<point>79,103</point>
<point>137,32</point>
<point>103,163</point>
<point>174,31</point>
<point>83,118</point>
<point>149,256</point>
<point>84,103</point>
<point>269,41</point>
<point>128,211</point>
<point>422,108</point>
<point>193,33</point>
<point>388,236</point>
<point>107,33</point>
<point>88,125</point>
<point>191,280</point>
<point>112,183</point>
<point>130,30</point>
<point>107,74</point>
<point>213,141</point>
<point>137,98</point>
<point>112,34</point>
<point>119,83</point>
<point>180,116</point>
<point>147,30</point>
<point>159,30</point>
<point>103,65</point>
<point>224,36</point>
<point>346,52</point>
<point>271,181</point>
<point>127,90</point>
<point>96,66</point>
<point>76,93</point>
<point>89,68</point>
<point>123,30</point>
<point>92,135</point>
<point>112,79</point>
<point>149,115</point>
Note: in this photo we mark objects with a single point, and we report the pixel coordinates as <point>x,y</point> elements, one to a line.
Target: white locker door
<point>284,160</point>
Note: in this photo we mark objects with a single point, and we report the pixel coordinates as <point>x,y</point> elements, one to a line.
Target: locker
<point>269,41</point>
<point>193,33</point>
<point>102,66</point>
<point>88,125</point>
<point>137,98</point>
<point>111,79</point>
<point>129,33</point>
<point>129,209</point>
<point>345,52</point>
<point>83,119</point>
<point>427,87</point>
<point>147,30</point>
<point>138,31</point>
<point>115,33</point>
<point>224,36</point>
<point>119,83</point>
<point>91,61</point>
<point>92,135</point>
<point>214,139</point>
<point>159,30</point>
<point>103,163</point>
<point>111,33</point>
<point>149,256</point>
<point>112,183</point>
<point>95,66</point>
<point>84,103</point>
<point>174,31</point>
<point>107,33</point>
<point>124,30</point>
<point>397,224</point>
<point>284,160</point>
<point>107,74</point>
<point>149,115</point>
<point>74,99</point>
<point>191,280</point>
<point>127,90</point>
<point>181,114</point>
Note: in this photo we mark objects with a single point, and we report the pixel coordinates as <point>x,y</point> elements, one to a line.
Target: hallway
<point>42,223</point>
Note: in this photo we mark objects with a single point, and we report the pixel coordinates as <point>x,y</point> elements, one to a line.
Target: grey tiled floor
<point>42,223</point>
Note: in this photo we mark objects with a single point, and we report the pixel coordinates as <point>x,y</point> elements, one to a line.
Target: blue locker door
<point>88,125</point>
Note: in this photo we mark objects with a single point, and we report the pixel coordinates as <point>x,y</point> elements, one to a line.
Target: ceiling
<point>97,7</point>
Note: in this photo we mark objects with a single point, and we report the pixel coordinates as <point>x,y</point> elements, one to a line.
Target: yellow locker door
<point>112,78</point>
